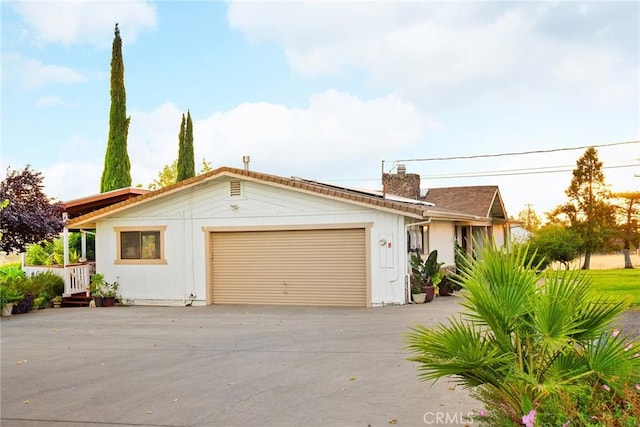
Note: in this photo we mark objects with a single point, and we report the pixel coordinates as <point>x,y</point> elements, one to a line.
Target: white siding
<point>442,237</point>
<point>499,234</point>
<point>189,213</point>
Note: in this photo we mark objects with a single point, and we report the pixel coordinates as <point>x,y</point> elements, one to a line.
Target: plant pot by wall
<point>7,309</point>
<point>109,302</point>
<point>99,301</point>
<point>444,290</point>
<point>419,298</point>
<point>430,293</point>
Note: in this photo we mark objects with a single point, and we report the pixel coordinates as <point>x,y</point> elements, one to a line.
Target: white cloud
<point>448,53</point>
<point>153,141</point>
<point>86,22</point>
<point>333,136</point>
<point>49,101</point>
<point>32,73</point>
<point>72,180</point>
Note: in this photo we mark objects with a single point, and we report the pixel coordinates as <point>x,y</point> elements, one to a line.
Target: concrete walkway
<point>222,366</point>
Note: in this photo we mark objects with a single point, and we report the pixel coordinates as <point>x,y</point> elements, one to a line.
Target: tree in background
<point>588,211</point>
<point>555,243</point>
<point>530,220</point>
<point>169,174</point>
<point>627,205</point>
<point>30,216</point>
<point>117,169</point>
<point>186,162</point>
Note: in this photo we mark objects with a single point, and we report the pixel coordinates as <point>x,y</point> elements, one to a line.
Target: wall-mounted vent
<point>235,188</point>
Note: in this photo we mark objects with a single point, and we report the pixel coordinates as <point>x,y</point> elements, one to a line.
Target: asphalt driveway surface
<point>222,366</point>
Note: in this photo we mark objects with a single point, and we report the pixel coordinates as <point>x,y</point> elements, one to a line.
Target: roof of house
<point>413,209</point>
<point>85,205</point>
<point>483,201</point>
<point>418,209</point>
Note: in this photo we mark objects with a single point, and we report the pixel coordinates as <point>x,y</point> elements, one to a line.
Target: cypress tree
<point>117,169</point>
<point>186,160</point>
<point>181,152</point>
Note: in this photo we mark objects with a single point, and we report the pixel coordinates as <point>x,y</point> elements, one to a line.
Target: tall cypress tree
<point>117,169</point>
<point>181,152</point>
<point>186,160</point>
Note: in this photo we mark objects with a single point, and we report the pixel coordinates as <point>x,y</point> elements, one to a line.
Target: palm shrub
<point>532,348</point>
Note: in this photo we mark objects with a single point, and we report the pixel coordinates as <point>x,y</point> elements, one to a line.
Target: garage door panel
<point>311,267</point>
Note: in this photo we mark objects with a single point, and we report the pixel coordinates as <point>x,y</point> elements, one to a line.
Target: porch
<point>77,278</point>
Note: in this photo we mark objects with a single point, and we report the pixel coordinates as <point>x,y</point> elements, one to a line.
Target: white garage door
<point>295,267</point>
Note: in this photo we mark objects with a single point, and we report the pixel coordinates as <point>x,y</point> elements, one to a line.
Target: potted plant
<point>8,297</point>
<point>427,273</point>
<point>96,288</point>
<point>447,285</point>
<point>109,293</point>
<point>416,293</point>
<point>57,301</point>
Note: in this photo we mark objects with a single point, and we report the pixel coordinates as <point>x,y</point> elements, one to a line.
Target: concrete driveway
<point>222,366</point>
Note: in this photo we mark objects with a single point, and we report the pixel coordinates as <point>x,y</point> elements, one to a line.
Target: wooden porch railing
<point>77,278</point>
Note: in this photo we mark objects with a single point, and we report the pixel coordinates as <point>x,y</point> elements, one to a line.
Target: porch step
<point>76,300</point>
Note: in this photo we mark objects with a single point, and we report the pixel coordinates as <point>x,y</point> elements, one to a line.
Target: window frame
<point>127,261</point>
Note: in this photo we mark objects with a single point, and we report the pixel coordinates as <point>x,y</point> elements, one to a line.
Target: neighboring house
<point>234,236</point>
<point>519,234</point>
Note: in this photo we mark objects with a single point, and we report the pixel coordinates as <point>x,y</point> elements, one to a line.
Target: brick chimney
<point>402,183</point>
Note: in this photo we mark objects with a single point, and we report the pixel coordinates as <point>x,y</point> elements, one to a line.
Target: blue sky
<point>328,90</point>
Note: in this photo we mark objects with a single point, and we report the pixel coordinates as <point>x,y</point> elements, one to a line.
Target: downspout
<point>407,280</point>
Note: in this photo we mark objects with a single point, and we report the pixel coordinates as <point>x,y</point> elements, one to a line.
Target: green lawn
<point>618,283</point>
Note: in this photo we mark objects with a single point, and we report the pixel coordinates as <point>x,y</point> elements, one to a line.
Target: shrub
<point>533,346</point>
<point>9,295</point>
<point>47,284</point>
<point>36,290</point>
<point>36,255</point>
<point>10,273</point>
<point>49,253</point>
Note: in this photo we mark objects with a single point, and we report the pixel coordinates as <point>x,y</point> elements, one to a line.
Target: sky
<point>334,91</point>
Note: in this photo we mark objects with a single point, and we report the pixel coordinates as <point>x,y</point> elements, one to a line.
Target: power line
<point>521,153</point>
<point>505,172</point>
<point>515,172</point>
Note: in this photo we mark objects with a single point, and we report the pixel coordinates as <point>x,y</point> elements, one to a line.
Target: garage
<point>325,267</point>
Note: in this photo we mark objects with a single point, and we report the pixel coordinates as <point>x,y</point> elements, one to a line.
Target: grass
<point>618,283</point>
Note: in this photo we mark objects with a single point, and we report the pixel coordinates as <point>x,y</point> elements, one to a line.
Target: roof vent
<point>235,188</point>
<point>246,160</point>
<point>402,169</point>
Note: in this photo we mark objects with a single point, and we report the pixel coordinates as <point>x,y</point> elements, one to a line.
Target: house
<point>459,215</point>
<point>236,236</point>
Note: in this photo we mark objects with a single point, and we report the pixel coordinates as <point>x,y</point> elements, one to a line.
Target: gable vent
<point>235,188</point>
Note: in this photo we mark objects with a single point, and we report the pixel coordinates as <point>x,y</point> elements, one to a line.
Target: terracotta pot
<point>109,302</point>
<point>430,293</point>
<point>444,290</point>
